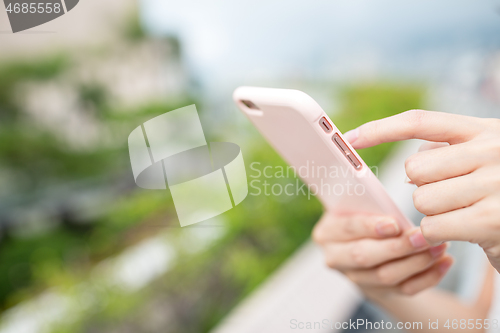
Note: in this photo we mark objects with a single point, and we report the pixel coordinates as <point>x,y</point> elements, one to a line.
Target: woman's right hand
<point>373,253</point>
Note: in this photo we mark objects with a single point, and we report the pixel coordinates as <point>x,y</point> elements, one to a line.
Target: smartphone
<point>303,134</point>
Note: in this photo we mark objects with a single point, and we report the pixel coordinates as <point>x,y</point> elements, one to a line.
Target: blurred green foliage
<point>133,29</point>
<point>38,155</point>
<point>41,159</point>
<point>38,162</point>
<point>28,265</point>
<point>14,72</point>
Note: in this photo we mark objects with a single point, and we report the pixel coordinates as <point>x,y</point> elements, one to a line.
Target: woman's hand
<point>373,253</point>
<point>458,184</point>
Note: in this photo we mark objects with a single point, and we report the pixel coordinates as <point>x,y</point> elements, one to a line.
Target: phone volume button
<point>346,151</point>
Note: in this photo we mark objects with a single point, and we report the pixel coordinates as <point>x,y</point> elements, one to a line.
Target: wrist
<point>377,295</point>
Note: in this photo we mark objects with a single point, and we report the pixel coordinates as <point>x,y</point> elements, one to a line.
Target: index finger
<point>415,124</point>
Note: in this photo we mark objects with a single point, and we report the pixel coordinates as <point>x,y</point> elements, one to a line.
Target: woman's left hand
<point>458,184</point>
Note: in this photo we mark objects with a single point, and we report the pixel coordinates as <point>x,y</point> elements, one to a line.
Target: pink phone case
<point>298,128</point>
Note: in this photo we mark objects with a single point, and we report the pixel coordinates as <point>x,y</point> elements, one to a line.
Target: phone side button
<point>347,152</point>
<point>354,161</point>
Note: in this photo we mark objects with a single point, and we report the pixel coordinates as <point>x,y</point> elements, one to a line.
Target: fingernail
<point>387,226</point>
<point>408,180</point>
<point>445,266</point>
<point>418,240</point>
<point>352,135</point>
<point>436,251</point>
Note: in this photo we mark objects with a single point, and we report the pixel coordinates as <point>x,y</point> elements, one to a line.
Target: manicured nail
<point>387,226</point>
<point>418,240</point>
<point>352,135</point>
<point>436,251</point>
<point>445,266</point>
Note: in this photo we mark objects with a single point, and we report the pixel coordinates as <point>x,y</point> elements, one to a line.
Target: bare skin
<point>458,183</point>
<point>457,175</point>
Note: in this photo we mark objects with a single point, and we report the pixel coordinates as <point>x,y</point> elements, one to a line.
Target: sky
<point>241,41</point>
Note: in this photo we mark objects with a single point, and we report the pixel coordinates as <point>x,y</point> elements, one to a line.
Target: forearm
<point>431,306</point>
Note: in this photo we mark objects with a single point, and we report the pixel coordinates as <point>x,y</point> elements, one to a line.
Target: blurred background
<point>82,249</point>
